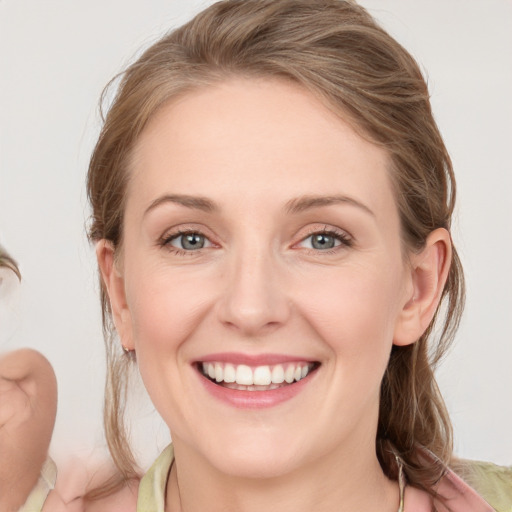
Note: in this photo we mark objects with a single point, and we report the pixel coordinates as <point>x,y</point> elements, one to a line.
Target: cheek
<point>165,307</point>
<point>353,315</point>
<point>355,311</point>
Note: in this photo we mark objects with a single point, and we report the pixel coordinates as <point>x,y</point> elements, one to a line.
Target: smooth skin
<point>298,251</point>
<point>28,405</point>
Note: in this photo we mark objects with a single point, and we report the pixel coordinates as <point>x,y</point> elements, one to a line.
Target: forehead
<point>254,137</point>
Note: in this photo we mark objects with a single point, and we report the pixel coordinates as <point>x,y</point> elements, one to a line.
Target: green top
<point>493,483</point>
<point>39,493</point>
<point>152,486</point>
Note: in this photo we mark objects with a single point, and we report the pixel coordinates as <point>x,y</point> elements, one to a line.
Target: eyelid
<point>184,229</point>
<point>342,235</point>
<point>345,238</point>
<point>177,236</point>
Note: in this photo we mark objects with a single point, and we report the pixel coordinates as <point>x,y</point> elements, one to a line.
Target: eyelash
<point>345,241</point>
<point>166,239</point>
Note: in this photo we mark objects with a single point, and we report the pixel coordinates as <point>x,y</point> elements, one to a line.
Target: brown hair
<point>7,262</point>
<point>336,50</point>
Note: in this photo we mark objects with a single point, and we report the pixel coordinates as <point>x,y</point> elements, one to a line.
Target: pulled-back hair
<point>334,49</point>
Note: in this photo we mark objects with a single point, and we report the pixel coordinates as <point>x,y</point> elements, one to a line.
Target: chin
<point>257,466</point>
<point>259,460</point>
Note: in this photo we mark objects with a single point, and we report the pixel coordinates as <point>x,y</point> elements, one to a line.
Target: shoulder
<point>124,500</point>
<point>91,485</point>
<point>492,482</point>
<point>146,494</point>
<point>79,477</point>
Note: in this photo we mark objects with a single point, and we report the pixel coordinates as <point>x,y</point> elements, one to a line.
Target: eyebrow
<point>193,202</point>
<point>303,203</point>
<point>296,205</point>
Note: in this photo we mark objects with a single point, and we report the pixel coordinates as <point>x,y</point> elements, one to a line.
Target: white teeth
<point>258,378</point>
<point>289,374</point>
<point>278,374</point>
<point>244,375</point>
<point>219,372</point>
<point>262,376</point>
<point>229,373</point>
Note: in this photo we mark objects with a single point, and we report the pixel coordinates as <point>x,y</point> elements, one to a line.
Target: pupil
<point>192,241</point>
<point>323,242</point>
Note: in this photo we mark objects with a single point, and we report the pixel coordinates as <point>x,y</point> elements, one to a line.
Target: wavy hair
<point>336,50</point>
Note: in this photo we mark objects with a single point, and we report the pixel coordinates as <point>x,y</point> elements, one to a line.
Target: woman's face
<point>261,243</point>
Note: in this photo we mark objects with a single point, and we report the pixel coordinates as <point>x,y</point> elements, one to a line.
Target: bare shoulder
<point>83,485</point>
<point>124,500</point>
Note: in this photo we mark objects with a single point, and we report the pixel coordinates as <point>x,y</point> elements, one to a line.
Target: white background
<point>55,57</point>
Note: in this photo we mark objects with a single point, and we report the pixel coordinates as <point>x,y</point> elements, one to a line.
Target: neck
<point>332,483</point>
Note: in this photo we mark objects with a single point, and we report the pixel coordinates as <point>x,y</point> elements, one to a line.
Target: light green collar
<point>152,486</point>
<point>495,483</point>
<point>45,484</point>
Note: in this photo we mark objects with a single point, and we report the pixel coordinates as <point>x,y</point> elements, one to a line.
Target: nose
<point>254,299</point>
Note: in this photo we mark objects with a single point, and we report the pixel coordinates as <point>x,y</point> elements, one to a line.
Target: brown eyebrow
<point>300,204</point>
<point>296,205</point>
<point>198,203</point>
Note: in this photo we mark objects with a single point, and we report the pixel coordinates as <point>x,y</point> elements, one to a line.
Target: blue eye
<point>325,240</point>
<point>322,241</point>
<point>189,241</point>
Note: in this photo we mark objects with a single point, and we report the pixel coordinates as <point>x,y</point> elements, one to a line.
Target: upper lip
<point>253,359</point>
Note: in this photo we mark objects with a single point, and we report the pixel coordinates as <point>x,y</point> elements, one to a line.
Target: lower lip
<point>255,399</point>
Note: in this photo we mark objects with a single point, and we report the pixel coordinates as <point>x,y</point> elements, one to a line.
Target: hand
<point>28,402</point>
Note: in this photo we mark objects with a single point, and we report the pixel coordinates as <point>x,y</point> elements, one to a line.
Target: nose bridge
<point>254,298</point>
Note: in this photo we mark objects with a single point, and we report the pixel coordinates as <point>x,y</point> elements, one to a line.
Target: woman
<point>271,205</point>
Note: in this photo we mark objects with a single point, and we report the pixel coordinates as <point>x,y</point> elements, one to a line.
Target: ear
<point>428,273</point>
<point>114,283</point>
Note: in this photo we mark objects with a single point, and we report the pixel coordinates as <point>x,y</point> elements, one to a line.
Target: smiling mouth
<point>259,378</point>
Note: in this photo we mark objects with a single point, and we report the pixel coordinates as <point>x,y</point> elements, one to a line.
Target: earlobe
<point>429,271</point>
<point>113,281</point>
